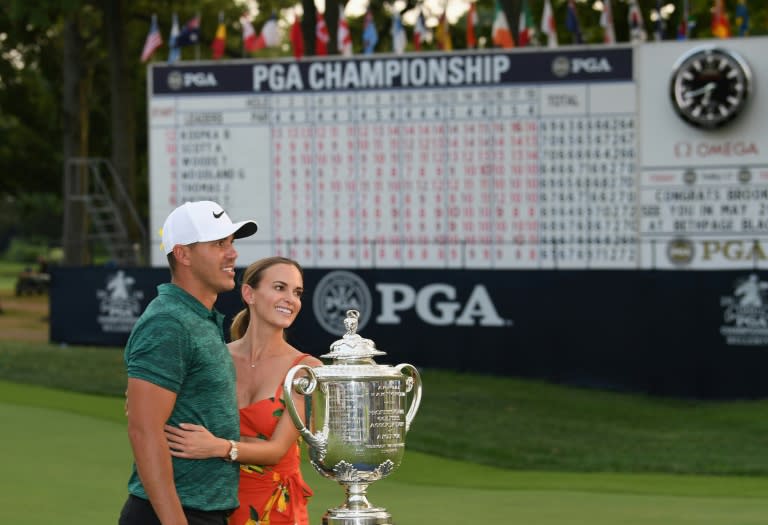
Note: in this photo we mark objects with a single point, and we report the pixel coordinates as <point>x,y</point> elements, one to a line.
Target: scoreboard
<point>570,158</point>
<point>587,215</point>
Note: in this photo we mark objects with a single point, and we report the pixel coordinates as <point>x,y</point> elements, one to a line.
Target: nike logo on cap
<point>217,215</point>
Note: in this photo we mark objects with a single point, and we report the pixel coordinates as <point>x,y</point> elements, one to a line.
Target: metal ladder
<point>93,184</point>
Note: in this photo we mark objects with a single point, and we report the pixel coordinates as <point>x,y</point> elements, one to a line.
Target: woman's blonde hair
<point>252,277</point>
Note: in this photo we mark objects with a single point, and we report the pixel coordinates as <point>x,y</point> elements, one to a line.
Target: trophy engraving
<point>359,415</point>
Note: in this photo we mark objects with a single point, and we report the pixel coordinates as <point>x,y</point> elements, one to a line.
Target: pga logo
<point>199,80</point>
<point>563,66</point>
<point>437,304</point>
<point>177,80</point>
<point>590,65</point>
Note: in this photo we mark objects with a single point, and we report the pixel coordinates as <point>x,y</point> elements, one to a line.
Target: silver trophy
<point>358,417</point>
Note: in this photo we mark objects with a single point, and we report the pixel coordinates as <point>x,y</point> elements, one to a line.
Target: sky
<point>455,9</point>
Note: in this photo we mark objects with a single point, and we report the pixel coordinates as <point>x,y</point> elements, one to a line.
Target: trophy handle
<point>304,386</point>
<point>413,382</point>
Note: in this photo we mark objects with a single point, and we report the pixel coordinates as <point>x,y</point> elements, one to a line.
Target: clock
<point>710,86</point>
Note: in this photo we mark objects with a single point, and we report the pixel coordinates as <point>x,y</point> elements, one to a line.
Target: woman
<point>272,489</point>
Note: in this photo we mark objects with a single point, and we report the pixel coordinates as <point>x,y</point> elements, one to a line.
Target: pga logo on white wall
<point>436,304</point>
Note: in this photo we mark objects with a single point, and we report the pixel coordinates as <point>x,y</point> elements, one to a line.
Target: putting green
<point>66,460</point>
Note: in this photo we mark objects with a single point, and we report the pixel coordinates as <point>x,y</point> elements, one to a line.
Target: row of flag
<point>501,32</point>
<point>269,36</point>
<point>721,26</point>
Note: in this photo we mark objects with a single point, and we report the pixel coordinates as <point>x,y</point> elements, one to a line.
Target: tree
<point>71,82</point>
<point>123,122</point>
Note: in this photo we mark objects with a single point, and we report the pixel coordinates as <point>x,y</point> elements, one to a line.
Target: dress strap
<point>295,362</point>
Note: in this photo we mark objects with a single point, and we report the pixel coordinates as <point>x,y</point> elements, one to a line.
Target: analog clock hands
<point>705,90</point>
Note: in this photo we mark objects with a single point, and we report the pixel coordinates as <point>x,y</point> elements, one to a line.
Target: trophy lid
<point>352,346</point>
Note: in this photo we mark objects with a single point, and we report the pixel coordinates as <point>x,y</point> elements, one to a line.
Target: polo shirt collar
<point>190,301</point>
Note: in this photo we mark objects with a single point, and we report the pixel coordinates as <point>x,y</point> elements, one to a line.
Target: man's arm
<point>151,407</point>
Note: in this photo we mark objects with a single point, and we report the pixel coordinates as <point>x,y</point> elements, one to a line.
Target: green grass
<point>503,422</point>
<point>535,425</point>
<point>567,456</point>
<point>94,370</point>
<point>67,460</point>
<point>9,272</point>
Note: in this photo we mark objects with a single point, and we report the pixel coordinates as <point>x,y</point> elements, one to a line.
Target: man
<point>179,370</point>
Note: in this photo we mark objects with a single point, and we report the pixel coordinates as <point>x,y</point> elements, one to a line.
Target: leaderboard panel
<point>488,160</point>
<point>467,177</point>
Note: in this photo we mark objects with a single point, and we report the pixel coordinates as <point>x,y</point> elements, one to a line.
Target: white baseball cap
<point>202,221</point>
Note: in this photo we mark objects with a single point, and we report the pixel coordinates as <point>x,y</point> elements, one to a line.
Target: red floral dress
<point>274,494</point>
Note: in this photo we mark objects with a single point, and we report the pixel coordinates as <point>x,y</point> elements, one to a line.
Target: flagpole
<point>199,28</point>
<point>242,43</point>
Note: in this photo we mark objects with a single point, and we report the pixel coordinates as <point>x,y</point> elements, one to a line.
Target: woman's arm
<point>196,442</point>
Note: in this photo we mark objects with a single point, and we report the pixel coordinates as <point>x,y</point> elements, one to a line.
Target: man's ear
<point>182,254</point>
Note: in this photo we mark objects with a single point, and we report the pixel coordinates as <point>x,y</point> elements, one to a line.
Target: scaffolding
<point>99,212</point>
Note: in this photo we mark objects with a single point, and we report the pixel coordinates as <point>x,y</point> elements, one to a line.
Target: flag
<point>269,35</point>
<point>174,50</point>
<point>720,26</point>
<point>742,18</point>
<point>606,20</point>
<point>690,20</point>
<point>190,33</point>
<point>443,34</point>
<point>500,32</point>
<point>153,41</point>
<point>658,34</point>
<point>525,28</point>
<point>398,34</point>
<point>321,36</point>
<point>344,36</point>
<point>220,40</point>
<point>297,39</point>
<point>249,34</point>
<point>682,27</point>
<point>419,31</point>
<point>471,24</point>
<point>370,34</point>
<point>636,25</point>
<point>572,22</point>
<point>548,26</point>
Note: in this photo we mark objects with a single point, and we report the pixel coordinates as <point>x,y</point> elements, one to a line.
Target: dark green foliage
<point>31,118</point>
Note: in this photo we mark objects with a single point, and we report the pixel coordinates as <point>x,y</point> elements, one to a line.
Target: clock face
<point>710,86</point>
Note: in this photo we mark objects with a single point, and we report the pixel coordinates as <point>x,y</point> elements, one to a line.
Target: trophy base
<point>370,516</point>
